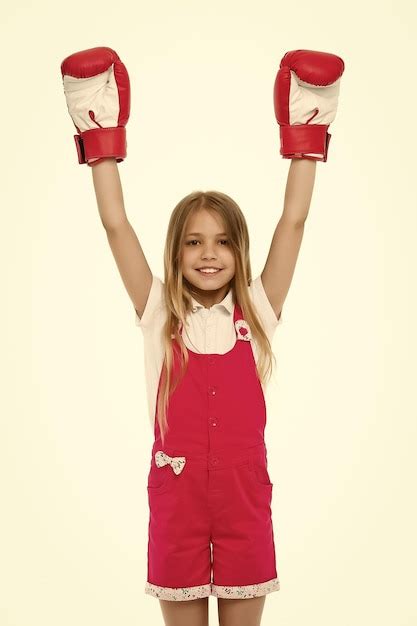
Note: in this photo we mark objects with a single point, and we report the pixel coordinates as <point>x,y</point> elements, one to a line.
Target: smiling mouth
<point>209,272</point>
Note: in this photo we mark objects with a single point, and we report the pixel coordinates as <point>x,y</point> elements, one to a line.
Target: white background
<point>75,437</point>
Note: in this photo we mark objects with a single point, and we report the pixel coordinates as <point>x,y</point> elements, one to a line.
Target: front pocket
<point>159,479</point>
<point>259,472</point>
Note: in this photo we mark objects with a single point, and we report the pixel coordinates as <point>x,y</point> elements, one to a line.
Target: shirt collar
<point>226,303</point>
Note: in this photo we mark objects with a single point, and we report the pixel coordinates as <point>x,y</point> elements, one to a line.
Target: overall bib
<point>209,490</point>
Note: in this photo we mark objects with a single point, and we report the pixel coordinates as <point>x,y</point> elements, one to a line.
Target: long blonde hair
<point>178,298</point>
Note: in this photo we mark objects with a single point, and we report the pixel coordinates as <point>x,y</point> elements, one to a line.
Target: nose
<point>208,253</point>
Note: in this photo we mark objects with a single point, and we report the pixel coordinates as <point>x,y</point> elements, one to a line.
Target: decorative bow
<point>243,330</point>
<point>176,462</point>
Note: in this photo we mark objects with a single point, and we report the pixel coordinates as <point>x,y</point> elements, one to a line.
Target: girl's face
<point>206,245</point>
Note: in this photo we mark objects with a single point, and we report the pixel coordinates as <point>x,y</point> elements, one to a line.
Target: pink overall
<point>209,484</point>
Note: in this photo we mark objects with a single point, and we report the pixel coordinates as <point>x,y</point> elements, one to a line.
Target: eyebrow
<point>201,234</point>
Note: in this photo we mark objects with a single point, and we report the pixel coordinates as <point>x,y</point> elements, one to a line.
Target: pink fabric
<point>223,493</point>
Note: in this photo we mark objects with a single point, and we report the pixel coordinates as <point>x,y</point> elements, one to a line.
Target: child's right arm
<point>127,251</point>
<point>97,90</point>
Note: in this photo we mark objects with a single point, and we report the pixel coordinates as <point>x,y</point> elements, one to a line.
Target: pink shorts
<point>210,527</point>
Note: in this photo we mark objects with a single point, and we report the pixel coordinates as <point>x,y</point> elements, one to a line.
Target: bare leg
<point>241,612</point>
<point>185,612</point>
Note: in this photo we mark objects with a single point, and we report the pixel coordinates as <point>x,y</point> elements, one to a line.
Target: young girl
<point>207,332</point>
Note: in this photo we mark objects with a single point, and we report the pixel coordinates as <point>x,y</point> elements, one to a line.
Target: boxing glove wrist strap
<point>99,143</point>
<point>305,141</point>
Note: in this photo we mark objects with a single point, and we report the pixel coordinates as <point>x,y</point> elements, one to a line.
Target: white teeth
<point>209,271</point>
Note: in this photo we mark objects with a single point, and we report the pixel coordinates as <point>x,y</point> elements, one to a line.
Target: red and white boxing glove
<point>306,93</point>
<point>97,89</point>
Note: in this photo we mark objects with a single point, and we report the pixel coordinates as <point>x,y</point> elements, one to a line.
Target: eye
<point>192,241</point>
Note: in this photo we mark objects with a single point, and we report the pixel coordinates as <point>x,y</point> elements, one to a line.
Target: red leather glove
<point>306,93</point>
<point>97,89</point>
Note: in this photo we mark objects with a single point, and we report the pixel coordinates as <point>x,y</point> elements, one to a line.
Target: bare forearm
<point>109,193</point>
<point>299,190</point>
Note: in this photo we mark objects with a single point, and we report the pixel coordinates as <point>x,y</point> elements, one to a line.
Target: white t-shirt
<point>206,330</point>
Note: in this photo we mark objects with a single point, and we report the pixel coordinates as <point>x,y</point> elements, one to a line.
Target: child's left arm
<point>280,265</point>
<point>306,92</point>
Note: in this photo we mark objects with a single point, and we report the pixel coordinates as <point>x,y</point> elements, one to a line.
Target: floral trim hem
<point>220,591</point>
<point>245,591</point>
<point>178,593</point>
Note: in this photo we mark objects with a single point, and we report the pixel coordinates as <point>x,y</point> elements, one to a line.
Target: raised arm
<point>286,242</point>
<point>306,92</point>
<point>127,251</point>
<point>97,90</point>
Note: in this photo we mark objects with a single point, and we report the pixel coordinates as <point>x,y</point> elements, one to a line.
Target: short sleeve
<point>264,306</point>
<point>153,303</point>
